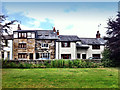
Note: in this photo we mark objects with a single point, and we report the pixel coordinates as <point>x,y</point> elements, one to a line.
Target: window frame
<point>9,55</point>
<point>63,44</point>
<point>22,45</point>
<point>96,47</point>
<point>2,55</point>
<point>47,54</point>
<point>21,34</point>
<point>22,55</point>
<point>78,54</point>
<point>43,45</point>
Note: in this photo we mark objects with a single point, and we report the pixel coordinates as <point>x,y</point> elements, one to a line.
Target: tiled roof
<point>68,38</point>
<point>42,34</point>
<point>7,37</point>
<point>93,41</point>
<point>46,34</point>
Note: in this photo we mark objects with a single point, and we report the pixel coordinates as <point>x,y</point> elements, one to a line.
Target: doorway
<point>83,56</point>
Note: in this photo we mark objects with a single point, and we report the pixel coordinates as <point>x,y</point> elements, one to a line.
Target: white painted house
<point>73,47</point>
<point>6,53</point>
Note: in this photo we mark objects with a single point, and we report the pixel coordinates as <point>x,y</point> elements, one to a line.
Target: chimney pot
<point>57,32</point>
<point>19,28</point>
<point>54,29</point>
<point>98,34</point>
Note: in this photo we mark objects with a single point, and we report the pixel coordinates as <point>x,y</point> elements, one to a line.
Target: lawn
<point>60,78</point>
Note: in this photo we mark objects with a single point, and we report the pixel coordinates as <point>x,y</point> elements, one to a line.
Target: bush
<point>54,64</point>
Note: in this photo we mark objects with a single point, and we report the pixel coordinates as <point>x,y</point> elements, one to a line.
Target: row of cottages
<point>48,44</point>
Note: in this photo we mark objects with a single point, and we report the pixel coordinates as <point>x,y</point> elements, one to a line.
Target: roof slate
<point>93,41</point>
<point>46,34</point>
<point>68,38</point>
<point>7,37</point>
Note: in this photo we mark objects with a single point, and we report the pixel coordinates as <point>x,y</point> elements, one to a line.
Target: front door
<point>83,56</point>
<point>31,56</point>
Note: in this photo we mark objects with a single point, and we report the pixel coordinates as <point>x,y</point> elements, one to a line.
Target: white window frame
<point>47,54</point>
<point>44,46</point>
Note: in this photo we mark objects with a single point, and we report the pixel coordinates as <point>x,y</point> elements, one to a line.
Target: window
<point>29,35</point>
<point>22,45</point>
<point>3,55</point>
<point>15,34</point>
<point>22,35</point>
<point>31,56</point>
<point>8,55</point>
<point>37,55</point>
<point>78,55</point>
<point>22,55</point>
<point>6,43</point>
<point>44,45</point>
<point>95,46</point>
<point>66,56</point>
<point>65,44</point>
<point>83,56</point>
<point>45,55</point>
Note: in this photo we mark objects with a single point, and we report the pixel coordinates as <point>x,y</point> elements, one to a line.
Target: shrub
<point>54,64</point>
<point>47,64</point>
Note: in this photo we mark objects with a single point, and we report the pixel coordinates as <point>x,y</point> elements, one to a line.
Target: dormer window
<point>22,35</point>
<point>65,44</point>
<point>29,35</point>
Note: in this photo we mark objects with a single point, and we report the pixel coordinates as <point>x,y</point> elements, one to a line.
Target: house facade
<point>73,47</point>
<point>48,44</point>
<point>6,52</point>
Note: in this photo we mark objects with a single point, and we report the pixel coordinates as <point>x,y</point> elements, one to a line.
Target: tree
<point>4,28</point>
<point>106,61</point>
<point>114,39</point>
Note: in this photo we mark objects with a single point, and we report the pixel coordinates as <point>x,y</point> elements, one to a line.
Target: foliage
<point>52,64</point>
<point>106,61</point>
<point>114,39</point>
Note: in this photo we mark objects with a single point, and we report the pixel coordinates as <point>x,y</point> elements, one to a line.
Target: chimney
<point>54,29</point>
<point>58,32</point>
<point>19,27</point>
<point>98,34</point>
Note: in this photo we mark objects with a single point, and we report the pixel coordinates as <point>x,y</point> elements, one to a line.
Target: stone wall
<point>30,47</point>
<point>50,49</point>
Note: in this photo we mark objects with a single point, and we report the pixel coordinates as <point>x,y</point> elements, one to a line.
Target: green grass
<point>60,78</point>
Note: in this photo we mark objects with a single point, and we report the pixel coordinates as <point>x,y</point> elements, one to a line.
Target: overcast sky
<point>70,18</point>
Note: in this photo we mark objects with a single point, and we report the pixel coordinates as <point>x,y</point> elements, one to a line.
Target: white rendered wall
<point>66,50</point>
<point>91,51</point>
<point>8,49</point>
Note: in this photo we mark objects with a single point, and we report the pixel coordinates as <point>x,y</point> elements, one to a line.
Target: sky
<point>70,18</point>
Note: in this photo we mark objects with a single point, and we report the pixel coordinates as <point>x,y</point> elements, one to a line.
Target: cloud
<point>48,24</point>
<point>67,18</point>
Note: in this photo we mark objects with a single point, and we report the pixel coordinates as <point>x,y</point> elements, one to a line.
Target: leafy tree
<point>4,28</point>
<point>106,61</point>
<point>114,39</point>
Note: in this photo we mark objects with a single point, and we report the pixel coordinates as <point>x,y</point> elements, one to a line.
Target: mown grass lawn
<point>60,78</point>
